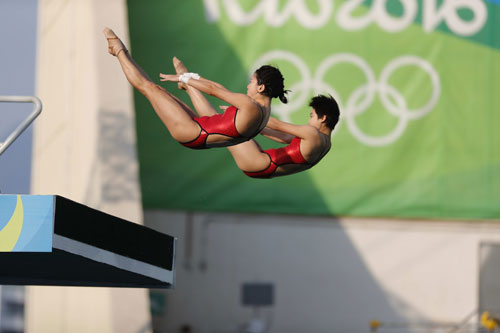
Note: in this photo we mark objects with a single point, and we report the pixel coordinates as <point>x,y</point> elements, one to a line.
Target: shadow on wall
<point>489,291</point>
<point>321,283</point>
<point>115,163</point>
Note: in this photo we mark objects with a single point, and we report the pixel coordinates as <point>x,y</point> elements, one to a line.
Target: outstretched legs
<point>176,115</point>
<point>247,155</point>
<point>200,103</point>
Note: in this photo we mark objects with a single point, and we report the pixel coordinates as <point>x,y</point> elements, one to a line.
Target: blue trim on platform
<point>7,207</point>
<point>37,225</point>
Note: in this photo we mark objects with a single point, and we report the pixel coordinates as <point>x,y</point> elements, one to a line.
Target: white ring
<point>304,85</point>
<point>356,103</point>
<point>408,61</point>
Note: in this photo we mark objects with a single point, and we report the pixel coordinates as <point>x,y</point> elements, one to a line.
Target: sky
<point>18,32</point>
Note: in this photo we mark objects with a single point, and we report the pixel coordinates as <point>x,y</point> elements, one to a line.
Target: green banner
<point>417,83</point>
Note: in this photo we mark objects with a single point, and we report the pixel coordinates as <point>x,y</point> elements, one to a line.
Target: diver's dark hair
<point>326,106</point>
<point>272,79</point>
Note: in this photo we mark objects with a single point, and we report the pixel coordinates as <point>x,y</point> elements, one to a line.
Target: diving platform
<point>51,240</point>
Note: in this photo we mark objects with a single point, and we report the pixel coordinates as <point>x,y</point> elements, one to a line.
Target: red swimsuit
<point>279,156</point>
<point>223,124</point>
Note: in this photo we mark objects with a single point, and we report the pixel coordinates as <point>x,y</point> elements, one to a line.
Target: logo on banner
<point>362,97</point>
<point>433,14</point>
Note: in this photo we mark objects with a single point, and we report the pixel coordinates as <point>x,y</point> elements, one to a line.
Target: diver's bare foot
<point>180,68</point>
<point>115,45</point>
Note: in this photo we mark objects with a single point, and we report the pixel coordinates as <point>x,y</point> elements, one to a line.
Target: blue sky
<point>18,26</point>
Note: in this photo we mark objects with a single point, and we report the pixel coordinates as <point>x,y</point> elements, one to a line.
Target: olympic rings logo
<point>362,97</point>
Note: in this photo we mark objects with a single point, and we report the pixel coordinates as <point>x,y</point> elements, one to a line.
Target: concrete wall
<point>330,275</point>
<point>84,149</point>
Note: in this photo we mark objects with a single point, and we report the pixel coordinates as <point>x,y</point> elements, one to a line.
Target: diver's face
<point>313,119</point>
<point>253,88</point>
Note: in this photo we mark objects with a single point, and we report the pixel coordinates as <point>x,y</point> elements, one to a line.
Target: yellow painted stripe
<point>9,235</point>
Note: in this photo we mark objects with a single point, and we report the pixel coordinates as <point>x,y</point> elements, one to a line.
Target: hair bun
<point>273,81</point>
<point>283,98</point>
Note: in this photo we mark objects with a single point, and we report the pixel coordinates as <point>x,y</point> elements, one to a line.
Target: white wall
<point>84,149</point>
<point>330,275</point>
